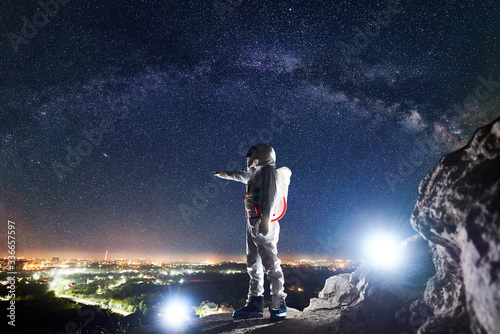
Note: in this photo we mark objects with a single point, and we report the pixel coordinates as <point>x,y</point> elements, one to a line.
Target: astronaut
<point>265,203</point>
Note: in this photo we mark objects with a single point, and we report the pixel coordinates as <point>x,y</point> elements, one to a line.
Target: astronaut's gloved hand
<point>264,226</point>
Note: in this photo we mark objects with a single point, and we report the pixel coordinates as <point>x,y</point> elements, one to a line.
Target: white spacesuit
<point>265,203</point>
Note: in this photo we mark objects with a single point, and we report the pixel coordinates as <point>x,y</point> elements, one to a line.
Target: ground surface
<point>223,323</point>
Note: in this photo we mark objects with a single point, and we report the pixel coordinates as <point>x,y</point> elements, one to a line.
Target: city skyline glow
<point>198,257</point>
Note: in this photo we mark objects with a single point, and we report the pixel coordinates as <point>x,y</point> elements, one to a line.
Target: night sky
<point>114,115</point>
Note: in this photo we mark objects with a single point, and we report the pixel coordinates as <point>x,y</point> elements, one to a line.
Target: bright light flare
<point>383,251</point>
<point>175,314</point>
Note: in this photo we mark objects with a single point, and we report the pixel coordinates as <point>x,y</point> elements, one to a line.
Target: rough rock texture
<point>223,323</point>
<point>372,300</point>
<point>458,211</point>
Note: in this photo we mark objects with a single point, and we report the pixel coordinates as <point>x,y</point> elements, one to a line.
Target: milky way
<point>114,116</point>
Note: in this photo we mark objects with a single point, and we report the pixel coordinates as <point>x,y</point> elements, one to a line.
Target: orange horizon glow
<point>193,257</point>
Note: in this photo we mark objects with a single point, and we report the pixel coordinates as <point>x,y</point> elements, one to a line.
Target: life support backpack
<point>278,212</point>
<point>283,181</point>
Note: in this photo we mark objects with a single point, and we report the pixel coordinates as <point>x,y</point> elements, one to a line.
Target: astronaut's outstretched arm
<point>235,175</point>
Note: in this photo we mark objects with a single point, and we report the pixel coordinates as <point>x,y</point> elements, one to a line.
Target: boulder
<point>373,299</point>
<point>458,212</point>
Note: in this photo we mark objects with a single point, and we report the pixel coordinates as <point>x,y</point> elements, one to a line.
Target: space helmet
<point>260,155</point>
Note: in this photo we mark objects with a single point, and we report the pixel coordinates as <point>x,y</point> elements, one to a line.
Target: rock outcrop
<point>458,212</point>
<point>375,300</point>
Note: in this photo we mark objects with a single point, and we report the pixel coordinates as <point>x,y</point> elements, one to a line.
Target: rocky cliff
<point>458,212</point>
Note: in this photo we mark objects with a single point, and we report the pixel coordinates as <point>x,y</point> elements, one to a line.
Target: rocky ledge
<point>458,212</point>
